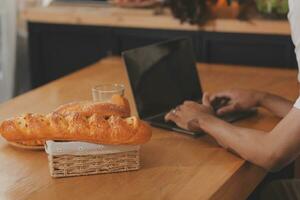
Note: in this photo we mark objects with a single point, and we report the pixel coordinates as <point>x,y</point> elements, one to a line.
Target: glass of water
<point>104,92</point>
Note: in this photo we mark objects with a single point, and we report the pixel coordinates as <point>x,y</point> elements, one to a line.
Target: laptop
<point>163,76</point>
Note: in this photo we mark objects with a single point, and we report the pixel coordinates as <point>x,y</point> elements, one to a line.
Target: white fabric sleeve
<point>297,104</point>
<point>294,18</point>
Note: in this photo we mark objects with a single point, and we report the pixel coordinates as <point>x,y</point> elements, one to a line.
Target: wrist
<point>216,128</point>
<point>205,122</point>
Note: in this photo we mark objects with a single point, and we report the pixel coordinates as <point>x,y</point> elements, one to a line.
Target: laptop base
<point>159,121</point>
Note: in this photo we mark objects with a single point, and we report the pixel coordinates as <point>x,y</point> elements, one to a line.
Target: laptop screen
<point>162,76</point>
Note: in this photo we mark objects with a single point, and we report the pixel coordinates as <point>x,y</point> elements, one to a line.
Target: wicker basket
<point>95,160</point>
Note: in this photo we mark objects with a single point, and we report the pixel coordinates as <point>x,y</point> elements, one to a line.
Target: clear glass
<point>104,92</point>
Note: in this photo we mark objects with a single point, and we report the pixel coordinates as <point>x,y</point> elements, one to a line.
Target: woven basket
<point>79,165</point>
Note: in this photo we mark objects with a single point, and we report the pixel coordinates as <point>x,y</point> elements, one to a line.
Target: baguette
<point>118,106</point>
<point>32,143</point>
<point>95,128</point>
<point>29,145</point>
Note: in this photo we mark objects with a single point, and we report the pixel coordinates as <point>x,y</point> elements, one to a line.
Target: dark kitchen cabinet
<point>129,38</point>
<point>248,49</point>
<point>57,50</point>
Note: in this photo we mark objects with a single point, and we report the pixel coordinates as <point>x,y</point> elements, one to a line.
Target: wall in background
<point>22,74</point>
<point>7,48</point>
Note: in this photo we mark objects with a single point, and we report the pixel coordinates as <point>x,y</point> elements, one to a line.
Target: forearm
<point>275,104</point>
<point>247,143</point>
<point>271,150</point>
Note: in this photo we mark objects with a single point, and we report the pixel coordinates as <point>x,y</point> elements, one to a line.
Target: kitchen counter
<point>144,18</point>
<point>174,166</point>
<point>65,38</point>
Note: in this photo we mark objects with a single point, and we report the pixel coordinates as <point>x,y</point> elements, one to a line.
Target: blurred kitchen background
<point>42,40</point>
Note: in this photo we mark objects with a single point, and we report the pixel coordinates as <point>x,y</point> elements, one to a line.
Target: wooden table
<point>174,166</point>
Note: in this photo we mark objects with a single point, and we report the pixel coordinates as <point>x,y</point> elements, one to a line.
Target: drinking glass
<point>104,92</point>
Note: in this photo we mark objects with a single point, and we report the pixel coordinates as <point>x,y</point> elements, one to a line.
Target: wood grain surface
<point>174,166</point>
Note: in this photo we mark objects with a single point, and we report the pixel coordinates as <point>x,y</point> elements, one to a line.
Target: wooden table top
<point>174,166</point>
<point>145,19</point>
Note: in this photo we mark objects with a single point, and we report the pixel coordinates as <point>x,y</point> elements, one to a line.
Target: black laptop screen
<point>162,76</point>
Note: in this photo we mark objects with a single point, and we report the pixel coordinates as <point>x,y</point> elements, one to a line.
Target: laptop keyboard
<point>159,120</point>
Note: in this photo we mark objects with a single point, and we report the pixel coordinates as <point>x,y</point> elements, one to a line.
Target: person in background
<point>271,150</point>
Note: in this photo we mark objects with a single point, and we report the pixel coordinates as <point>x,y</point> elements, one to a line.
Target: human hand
<point>238,100</point>
<point>186,115</point>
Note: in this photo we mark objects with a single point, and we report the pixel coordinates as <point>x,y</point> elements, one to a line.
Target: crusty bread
<point>94,128</point>
<point>104,123</point>
<point>28,145</point>
<point>32,143</point>
<point>118,106</point>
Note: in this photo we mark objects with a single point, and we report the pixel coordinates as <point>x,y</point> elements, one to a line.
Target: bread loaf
<point>118,106</point>
<point>32,143</point>
<point>103,123</point>
<point>76,127</point>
